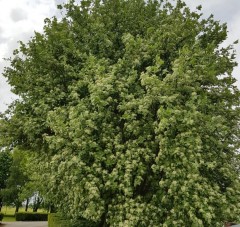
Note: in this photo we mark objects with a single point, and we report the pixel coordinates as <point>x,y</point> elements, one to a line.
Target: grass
<point>7,210</point>
<point>9,213</point>
<point>8,218</point>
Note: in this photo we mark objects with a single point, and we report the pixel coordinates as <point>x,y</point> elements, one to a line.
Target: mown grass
<point>9,213</point>
<point>8,218</point>
<point>7,210</point>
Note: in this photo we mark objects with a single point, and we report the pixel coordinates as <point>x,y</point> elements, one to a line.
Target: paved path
<point>24,224</point>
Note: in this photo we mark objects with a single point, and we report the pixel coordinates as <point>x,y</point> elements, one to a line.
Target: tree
<point>16,180</point>
<point>5,164</point>
<point>133,110</point>
<point>33,190</point>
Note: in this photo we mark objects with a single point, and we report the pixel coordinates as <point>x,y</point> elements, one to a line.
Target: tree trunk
<point>17,208</point>
<point>103,222</point>
<point>26,207</point>
<point>52,208</point>
<point>37,204</point>
<point>1,204</point>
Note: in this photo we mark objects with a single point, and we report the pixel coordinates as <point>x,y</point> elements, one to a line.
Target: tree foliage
<point>5,164</point>
<point>32,189</point>
<point>16,180</point>
<point>132,108</point>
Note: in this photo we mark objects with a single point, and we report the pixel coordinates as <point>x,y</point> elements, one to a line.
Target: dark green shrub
<point>58,220</point>
<point>1,216</point>
<point>31,216</point>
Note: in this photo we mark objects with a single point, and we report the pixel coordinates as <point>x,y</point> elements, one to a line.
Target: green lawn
<point>8,218</point>
<point>10,211</point>
<point>7,210</point>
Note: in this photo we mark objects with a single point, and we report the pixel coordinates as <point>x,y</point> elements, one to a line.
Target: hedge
<point>31,216</point>
<point>1,216</point>
<point>58,220</point>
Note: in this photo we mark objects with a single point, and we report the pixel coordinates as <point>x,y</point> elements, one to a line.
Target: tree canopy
<point>5,164</point>
<point>16,180</point>
<point>132,109</point>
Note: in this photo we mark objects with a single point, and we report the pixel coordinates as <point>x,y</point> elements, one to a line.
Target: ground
<point>24,224</point>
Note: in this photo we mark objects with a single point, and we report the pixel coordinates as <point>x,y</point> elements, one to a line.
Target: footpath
<point>24,224</point>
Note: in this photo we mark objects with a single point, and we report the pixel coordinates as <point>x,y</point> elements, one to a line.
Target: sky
<point>20,18</point>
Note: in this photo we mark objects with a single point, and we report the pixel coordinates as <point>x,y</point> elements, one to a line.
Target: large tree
<point>133,110</point>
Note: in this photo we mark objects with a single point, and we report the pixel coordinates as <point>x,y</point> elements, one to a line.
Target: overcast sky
<point>20,18</point>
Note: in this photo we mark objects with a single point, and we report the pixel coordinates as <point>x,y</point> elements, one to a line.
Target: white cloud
<point>19,19</point>
<point>18,14</point>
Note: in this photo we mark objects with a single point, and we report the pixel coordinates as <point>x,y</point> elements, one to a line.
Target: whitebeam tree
<point>134,106</point>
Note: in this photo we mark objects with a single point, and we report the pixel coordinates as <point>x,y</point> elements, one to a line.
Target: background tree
<point>5,164</point>
<point>133,110</point>
<point>33,190</point>
<point>16,180</point>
